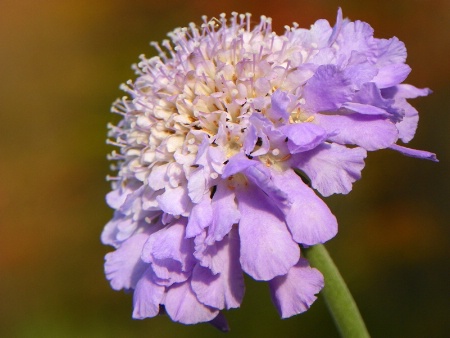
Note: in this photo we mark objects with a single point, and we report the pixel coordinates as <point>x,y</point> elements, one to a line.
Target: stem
<point>339,301</point>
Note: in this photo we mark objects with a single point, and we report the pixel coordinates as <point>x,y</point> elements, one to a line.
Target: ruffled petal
<point>182,305</point>
<point>309,219</point>
<point>303,136</point>
<point>391,75</point>
<point>369,132</point>
<point>170,253</point>
<point>147,296</point>
<point>225,289</point>
<point>174,201</point>
<point>326,90</point>
<point>225,213</point>
<point>294,292</point>
<point>124,267</point>
<point>201,217</point>
<point>425,155</point>
<point>267,247</point>
<point>332,168</point>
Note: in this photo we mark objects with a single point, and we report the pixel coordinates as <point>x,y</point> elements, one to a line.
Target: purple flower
<point>217,134</point>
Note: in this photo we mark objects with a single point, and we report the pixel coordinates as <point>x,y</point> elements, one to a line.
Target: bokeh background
<point>61,63</point>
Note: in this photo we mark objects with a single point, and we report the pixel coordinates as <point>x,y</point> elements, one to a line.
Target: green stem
<point>339,301</point>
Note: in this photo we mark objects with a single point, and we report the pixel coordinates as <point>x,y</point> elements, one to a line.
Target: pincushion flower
<point>218,136</point>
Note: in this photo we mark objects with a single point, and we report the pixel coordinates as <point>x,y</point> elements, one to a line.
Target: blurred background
<point>61,63</point>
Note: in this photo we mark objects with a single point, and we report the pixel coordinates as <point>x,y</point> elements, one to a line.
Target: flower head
<point>219,135</point>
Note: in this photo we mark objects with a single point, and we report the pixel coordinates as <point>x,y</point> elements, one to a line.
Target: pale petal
<point>182,305</point>
<point>201,217</point>
<point>225,213</point>
<point>124,267</point>
<point>226,288</point>
<point>332,168</point>
<point>147,296</point>
<point>309,219</point>
<point>267,248</point>
<point>422,154</point>
<point>294,292</point>
<point>369,132</point>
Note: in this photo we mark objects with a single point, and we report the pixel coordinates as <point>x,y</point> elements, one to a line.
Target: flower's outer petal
<point>116,198</point>
<point>369,132</point>
<point>391,75</point>
<point>405,91</point>
<point>408,125</point>
<point>280,101</point>
<point>201,217</point>
<point>124,267</point>
<point>226,288</point>
<point>224,213</point>
<point>327,90</point>
<point>170,253</point>
<point>170,243</point>
<point>332,168</point>
<point>197,185</point>
<point>182,305</point>
<point>147,296</point>
<point>356,36</point>
<point>365,109</point>
<point>309,219</point>
<point>262,177</point>
<point>294,292</point>
<point>158,177</point>
<point>303,136</point>
<point>337,27</point>
<point>237,164</point>
<point>425,155</point>
<point>267,248</point>
<point>113,235</point>
<point>390,51</point>
<point>174,201</point>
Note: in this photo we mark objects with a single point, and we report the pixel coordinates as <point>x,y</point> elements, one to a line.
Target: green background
<point>61,63</point>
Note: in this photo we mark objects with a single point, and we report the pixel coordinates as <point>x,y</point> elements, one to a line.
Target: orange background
<point>61,63</point>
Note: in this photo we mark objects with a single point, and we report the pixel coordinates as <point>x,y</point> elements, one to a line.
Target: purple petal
<point>174,201</point>
<point>408,125</point>
<point>116,198</point>
<point>182,305</point>
<point>309,219</point>
<point>237,164</point>
<point>226,288</point>
<point>147,297</point>
<point>279,103</point>
<point>124,267</point>
<point>369,132</point>
<point>332,168</point>
<point>197,185</point>
<point>201,217</point>
<point>158,177</point>
<point>326,90</point>
<point>425,155</point>
<point>390,51</point>
<point>170,253</point>
<point>225,213</point>
<point>294,292</point>
<point>267,248</point>
<point>262,177</point>
<point>113,235</point>
<point>303,136</point>
<point>365,109</point>
<point>391,75</point>
<point>405,91</point>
